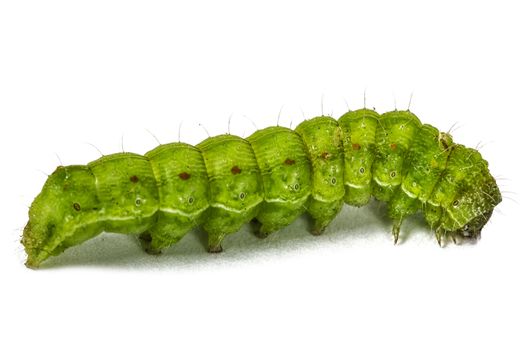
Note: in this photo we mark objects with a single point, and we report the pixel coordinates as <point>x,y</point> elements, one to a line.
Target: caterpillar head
<point>472,230</point>
<point>471,210</point>
<point>463,201</point>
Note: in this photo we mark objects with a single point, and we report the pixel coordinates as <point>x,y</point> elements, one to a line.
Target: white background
<point>109,73</point>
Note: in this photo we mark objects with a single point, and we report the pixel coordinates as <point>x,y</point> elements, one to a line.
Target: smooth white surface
<point>110,72</point>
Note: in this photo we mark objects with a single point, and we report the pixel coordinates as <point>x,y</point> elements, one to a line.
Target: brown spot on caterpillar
<point>134,179</point>
<point>289,161</point>
<point>356,146</point>
<point>393,146</point>
<point>235,170</point>
<point>76,206</point>
<point>325,155</point>
<point>184,176</point>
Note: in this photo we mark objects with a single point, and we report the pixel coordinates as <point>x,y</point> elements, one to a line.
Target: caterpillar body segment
<point>235,186</point>
<point>286,177</point>
<point>183,186</point>
<point>271,177</point>
<point>358,130</point>
<point>322,138</point>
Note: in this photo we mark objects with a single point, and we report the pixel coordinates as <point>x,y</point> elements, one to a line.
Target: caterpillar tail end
<point>32,264</point>
<point>34,256</point>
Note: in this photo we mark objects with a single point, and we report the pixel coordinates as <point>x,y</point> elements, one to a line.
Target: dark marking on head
<point>235,170</point>
<point>356,146</point>
<point>289,161</point>
<point>134,179</point>
<point>184,176</point>
<point>472,230</point>
<point>76,206</point>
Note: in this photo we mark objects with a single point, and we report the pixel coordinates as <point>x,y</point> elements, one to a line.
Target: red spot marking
<point>236,170</point>
<point>393,146</point>
<point>184,176</point>
<point>134,179</point>
<point>325,155</point>
<point>289,161</point>
<point>356,146</point>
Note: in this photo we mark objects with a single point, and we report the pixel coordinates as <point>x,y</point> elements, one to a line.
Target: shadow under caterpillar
<point>271,177</point>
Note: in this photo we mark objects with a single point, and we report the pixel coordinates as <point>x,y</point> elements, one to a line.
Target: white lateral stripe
<point>280,200</point>
<point>384,184</point>
<point>349,184</point>
<point>324,200</point>
<point>183,213</point>
<point>239,211</point>
<point>123,218</point>
<point>381,183</point>
<point>408,193</point>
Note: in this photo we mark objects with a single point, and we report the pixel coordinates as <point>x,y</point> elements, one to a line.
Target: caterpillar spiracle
<point>270,177</point>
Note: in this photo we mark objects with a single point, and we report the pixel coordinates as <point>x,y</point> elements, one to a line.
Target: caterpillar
<point>270,178</point>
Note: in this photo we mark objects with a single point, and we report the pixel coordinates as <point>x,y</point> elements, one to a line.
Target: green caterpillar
<point>271,177</point>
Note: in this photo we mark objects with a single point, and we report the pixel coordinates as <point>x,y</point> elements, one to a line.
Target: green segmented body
<point>272,176</point>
